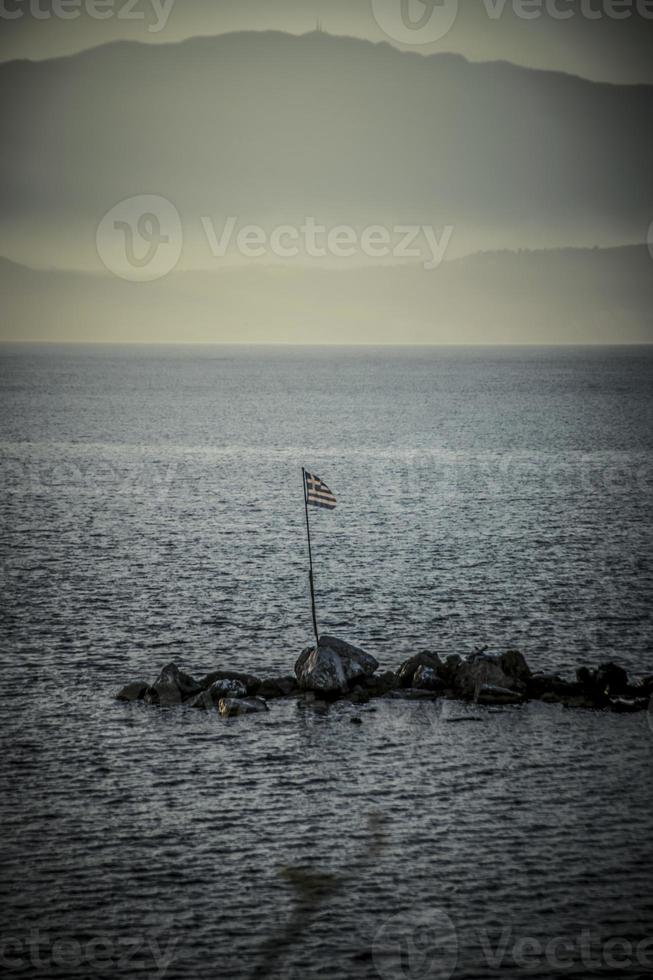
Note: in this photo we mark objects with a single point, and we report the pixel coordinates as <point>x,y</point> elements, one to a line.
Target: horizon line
<point>324,346</point>
<point>324,33</point>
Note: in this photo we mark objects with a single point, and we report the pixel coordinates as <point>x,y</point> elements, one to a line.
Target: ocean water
<point>152,510</point>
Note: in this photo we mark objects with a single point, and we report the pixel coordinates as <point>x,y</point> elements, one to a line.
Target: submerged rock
<point>333,667</point>
<point>232,707</point>
<point>172,686</point>
<point>135,691</point>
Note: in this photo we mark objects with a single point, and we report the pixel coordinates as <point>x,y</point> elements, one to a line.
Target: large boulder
<point>250,682</point>
<point>406,672</point>
<point>225,688</point>
<point>172,686</point>
<point>320,669</point>
<point>333,667</point>
<point>233,707</point>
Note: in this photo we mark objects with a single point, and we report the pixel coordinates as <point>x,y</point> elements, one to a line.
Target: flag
<point>318,493</point>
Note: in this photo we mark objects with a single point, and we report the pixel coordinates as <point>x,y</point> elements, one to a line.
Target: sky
<point>402,133</point>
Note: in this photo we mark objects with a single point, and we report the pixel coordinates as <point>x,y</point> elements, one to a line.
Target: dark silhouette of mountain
<point>571,296</point>
<point>272,127</point>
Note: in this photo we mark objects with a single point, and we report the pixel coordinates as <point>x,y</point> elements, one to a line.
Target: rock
<point>380,684</point>
<point>644,687</point>
<point>540,684</point>
<point>490,694</point>
<point>514,665</point>
<point>277,687</point>
<point>358,696</point>
<point>225,688</point>
<point>406,672</point>
<point>333,668</point>
<point>608,680</point>
<point>576,700</point>
<point>251,682</point>
<point>550,698</point>
<point>356,720</point>
<point>426,679</point>
<point>410,694</point>
<point>624,706</point>
<point>612,679</point>
<point>135,691</point>
<point>232,707</point>
<point>172,686</point>
<point>484,669</point>
<point>365,661</point>
<point>322,671</point>
<point>450,668</point>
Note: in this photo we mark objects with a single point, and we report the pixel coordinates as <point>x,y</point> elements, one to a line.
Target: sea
<point>152,511</point>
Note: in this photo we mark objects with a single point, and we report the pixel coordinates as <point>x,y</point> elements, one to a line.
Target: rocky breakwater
<point>335,670</point>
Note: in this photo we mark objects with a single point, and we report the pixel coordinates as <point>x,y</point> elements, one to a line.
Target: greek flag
<point>318,493</point>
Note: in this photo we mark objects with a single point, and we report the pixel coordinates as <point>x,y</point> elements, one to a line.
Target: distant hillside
<point>570,296</point>
<point>271,128</point>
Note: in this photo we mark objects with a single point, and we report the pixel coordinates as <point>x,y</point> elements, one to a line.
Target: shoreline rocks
<point>333,667</point>
<point>336,670</point>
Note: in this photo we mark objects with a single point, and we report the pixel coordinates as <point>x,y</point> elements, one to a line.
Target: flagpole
<point>310,559</point>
